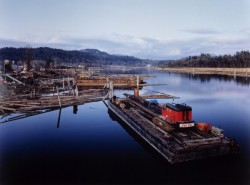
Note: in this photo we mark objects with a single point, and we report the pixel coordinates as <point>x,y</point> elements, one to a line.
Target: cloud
<point>12,43</point>
<point>202,31</point>
<point>142,47</point>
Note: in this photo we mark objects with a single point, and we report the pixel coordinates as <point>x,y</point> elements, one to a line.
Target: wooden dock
<point>35,103</point>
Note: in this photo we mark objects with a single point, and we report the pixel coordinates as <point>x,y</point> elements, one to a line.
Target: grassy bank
<point>244,72</point>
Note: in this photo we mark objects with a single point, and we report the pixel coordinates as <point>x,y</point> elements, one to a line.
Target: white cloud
<point>162,30</point>
<point>142,47</point>
<point>202,31</point>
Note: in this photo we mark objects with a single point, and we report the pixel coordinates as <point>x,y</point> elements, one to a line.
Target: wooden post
<point>68,82</point>
<point>111,89</point>
<point>63,83</point>
<point>76,91</point>
<point>107,83</point>
<point>74,86</point>
<point>137,81</point>
<point>59,100</point>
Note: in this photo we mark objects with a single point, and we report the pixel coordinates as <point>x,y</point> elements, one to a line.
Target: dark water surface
<point>94,147</point>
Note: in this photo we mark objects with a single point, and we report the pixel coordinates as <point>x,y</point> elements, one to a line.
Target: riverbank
<point>243,72</point>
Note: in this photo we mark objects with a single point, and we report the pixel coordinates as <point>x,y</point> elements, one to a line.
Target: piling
<point>58,96</point>
<point>63,84</point>
<point>111,89</point>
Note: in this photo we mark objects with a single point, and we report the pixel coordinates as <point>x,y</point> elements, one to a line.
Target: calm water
<point>94,147</point>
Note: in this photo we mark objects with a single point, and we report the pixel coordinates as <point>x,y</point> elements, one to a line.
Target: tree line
<point>89,57</point>
<point>238,60</point>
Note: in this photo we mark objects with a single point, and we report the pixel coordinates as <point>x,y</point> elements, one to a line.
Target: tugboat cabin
<point>178,114</point>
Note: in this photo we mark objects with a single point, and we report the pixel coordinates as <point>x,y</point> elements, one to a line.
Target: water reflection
<point>59,118</point>
<point>92,146</point>
<point>134,135</point>
<point>239,80</point>
<point>194,172</point>
<point>205,78</point>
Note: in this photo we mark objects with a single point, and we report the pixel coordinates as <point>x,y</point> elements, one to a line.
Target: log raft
<point>24,105</point>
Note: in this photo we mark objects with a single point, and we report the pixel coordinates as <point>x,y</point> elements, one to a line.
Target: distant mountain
<point>89,57</point>
<point>113,59</point>
<point>95,52</point>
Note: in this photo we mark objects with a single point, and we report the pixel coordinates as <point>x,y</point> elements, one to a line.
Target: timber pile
<point>119,80</point>
<point>120,76</point>
<point>21,104</point>
<point>36,91</point>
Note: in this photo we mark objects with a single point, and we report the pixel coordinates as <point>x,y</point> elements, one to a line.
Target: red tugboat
<point>180,114</point>
<point>170,130</point>
<point>176,115</point>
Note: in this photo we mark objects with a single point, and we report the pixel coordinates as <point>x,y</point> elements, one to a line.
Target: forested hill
<point>88,57</point>
<point>238,60</point>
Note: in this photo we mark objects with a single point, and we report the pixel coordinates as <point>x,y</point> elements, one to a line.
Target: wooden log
<point>7,108</point>
<point>17,105</point>
<point>1,111</point>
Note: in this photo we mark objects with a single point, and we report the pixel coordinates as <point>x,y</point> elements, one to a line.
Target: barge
<point>170,130</point>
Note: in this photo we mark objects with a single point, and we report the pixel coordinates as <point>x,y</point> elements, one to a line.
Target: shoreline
<point>241,72</point>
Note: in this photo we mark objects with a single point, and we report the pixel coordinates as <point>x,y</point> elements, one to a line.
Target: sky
<point>149,29</point>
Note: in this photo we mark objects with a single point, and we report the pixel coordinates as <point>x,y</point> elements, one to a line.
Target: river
<point>91,146</point>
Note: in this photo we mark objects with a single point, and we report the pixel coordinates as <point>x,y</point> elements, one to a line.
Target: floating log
<point>159,96</point>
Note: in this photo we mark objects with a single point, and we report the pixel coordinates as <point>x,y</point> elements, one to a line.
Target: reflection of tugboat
<point>170,130</point>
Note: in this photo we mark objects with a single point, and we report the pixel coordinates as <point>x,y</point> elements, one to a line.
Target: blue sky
<point>154,29</point>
